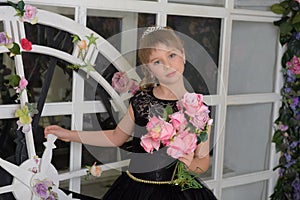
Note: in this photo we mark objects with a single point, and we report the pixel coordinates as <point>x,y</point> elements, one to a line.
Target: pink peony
<point>192,103</point>
<point>149,144</point>
<point>121,83</point>
<point>167,132</point>
<point>154,127</point>
<point>200,120</point>
<point>160,130</point>
<point>180,146</point>
<point>30,13</point>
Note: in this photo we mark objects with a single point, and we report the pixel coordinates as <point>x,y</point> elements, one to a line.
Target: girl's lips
<point>171,74</point>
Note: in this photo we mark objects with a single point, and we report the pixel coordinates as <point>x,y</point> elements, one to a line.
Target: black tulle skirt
<point>124,188</point>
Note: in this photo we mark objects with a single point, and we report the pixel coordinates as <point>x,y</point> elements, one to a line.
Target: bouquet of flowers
<point>180,132</point>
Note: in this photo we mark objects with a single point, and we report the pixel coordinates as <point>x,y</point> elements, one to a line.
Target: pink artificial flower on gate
<point>121,83</point>
<point>294,64</point>
<point>298,1</point>
<point>30,14</point>
<point>22,85</point>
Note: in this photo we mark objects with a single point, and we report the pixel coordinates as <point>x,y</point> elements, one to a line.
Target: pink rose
<point>167,132</point>
<point>149,144</point>
<point>178,120</point>
<point>190,141</point>
<point>154,127</point>
<point>192,103</point>
<point>30,12</point>
<point>26,44</point>
<point>121,83</point>
<point>176,148</point>
<point>160,130</point>
<point>23,83</point>
<point>182,145</point>
<point>200,119</point>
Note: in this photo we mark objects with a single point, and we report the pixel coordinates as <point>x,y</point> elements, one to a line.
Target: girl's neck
<point>169,92</point>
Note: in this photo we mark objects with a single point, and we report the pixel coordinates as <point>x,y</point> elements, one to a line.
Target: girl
<point>149,176</point>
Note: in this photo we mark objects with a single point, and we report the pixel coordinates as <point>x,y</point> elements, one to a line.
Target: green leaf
<point>92,39</point>
<point>32,107</point>
<point>167,111</point>
<point>297,27</point>
<point>285,28</point>
<point>296,18</point>
<point>293,46</point>
<point>203,136</point>
<point>294,5</point>
<point>14,80</point>
<point>23,115</point>
<point>20,6</point>
<point>277,9</point>
<point>15,49</point>
<point>76,38</point>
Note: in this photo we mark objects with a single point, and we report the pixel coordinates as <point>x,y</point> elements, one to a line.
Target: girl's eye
<point>157,62</point>
<point>172,55</point>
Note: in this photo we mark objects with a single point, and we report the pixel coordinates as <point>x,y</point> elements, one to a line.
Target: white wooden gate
<point>23,175</point>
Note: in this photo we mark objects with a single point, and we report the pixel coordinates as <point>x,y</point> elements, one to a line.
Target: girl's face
<point>167,64</point>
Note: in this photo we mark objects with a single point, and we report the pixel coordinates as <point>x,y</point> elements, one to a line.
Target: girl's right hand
<point>61,133</point>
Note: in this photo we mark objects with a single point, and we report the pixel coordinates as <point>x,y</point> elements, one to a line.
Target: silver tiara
<point>152,29</point>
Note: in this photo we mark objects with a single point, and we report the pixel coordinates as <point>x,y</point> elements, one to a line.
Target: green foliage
<point>287,134</point>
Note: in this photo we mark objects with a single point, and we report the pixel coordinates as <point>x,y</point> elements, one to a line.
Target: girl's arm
<point>106,138</point>
<point>198,161</point>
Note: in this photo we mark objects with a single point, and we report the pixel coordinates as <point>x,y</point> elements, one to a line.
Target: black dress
<point>154,167</point>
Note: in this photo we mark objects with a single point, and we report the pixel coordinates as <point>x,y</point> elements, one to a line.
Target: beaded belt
<point>150,182</point>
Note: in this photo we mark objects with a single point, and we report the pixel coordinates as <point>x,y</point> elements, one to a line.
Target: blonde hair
<point>148,43</point>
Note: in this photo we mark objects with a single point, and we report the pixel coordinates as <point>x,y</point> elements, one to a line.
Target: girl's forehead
<point>162,48</point>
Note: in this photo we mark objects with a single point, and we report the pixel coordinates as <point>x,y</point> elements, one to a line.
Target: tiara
<point>152,29</point>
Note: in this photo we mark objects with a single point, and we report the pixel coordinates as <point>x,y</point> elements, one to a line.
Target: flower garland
<point>122,84</point>
<point>287,133</point>
<point>83,49</point>
<point>43,189</point>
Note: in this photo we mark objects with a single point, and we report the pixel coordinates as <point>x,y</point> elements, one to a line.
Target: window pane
<point>247,139</point>
<point>111,29</point>
<point>7,67</point>
<point>201,37</point>
<point>252,59</point>
<point>37,68</point>
<point>66,11</point>
<point>200,2</point>
<point>61,154</point>
<point>255,4</point>
<point>253,191</point>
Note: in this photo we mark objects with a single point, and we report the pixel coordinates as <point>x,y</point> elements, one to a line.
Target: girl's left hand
<point>187,159</point>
